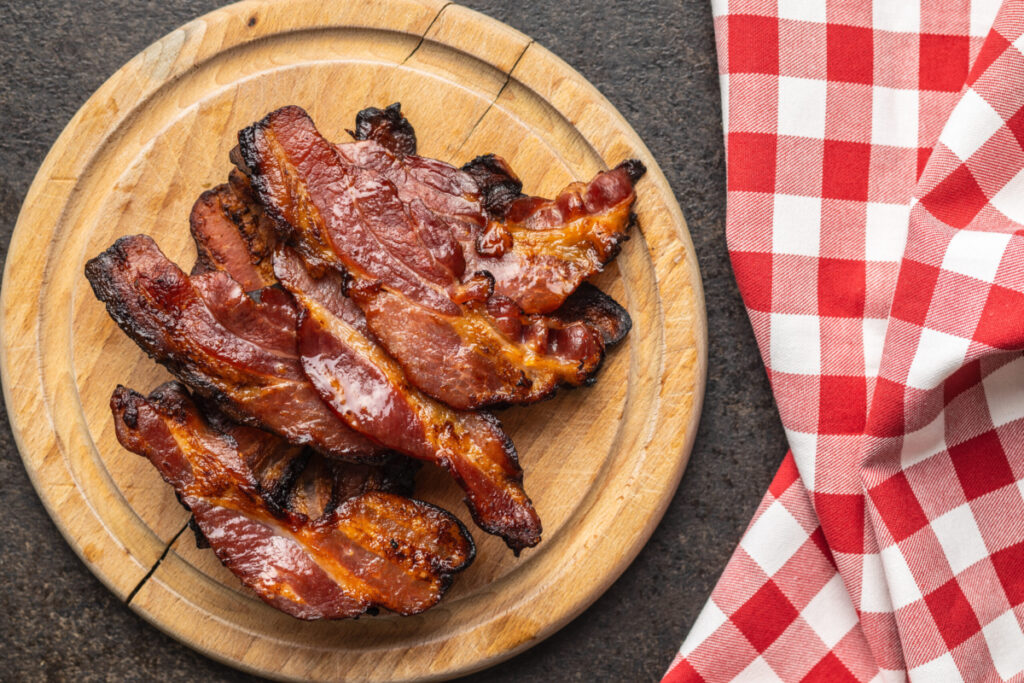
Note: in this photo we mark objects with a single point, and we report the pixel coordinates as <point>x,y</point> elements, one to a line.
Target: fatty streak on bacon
<point>374,550</point>
<point>367,389</point>
<point>453,337</point>
<point>537,250</point>
<point>235,351</point>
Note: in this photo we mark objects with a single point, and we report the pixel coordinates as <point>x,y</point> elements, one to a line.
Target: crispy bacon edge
<point>495,356</point>
<point>221,343</point>
<point>375,550</point>
<point>367,388</point>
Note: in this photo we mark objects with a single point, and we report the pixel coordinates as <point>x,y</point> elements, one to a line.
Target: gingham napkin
<point>876,228</point>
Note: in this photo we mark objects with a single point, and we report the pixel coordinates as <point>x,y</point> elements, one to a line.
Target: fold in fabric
<point>876,228</point>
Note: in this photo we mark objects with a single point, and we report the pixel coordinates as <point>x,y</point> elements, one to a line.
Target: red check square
<point>993,46</point>
<point>952,613</point>
<point>841,287</point>
<point>753,271</point>
<point>1009,564</point>
<point>846,170</point>
<point>944,62</point>
<point>829,669</point>
<point>753,44</point>
<point>898,507</point>
<point>850,54</point>
<point>981,465</point>
<point>844,405</point>
<point>913,292</point>
<point>1002,320</point>
<point>957,199</point>
<point>1016,126</point>
<point>765,616</point>
<point>843,515</point>
<point>752,162</point>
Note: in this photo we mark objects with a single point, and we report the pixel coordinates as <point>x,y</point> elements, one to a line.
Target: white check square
<point>773,538</point>
<point>971,124</point>
<point>795,342</point>
<point>1003,393</point>
<point>938,356</point>
<point>708,621</point>
<point>975,254</point>
<point>894,117</point>
<point>897,16</point>
<point>940,669</point>
<point>802,10</point>
<point>983,15</point>
<point>886,231</point>
<point>874,592</point>
<point>796,225</point>
<point>805,451</point>
<point>960,538</point>
<point>802,107</point>
<point>1010,199</point>
<point>830,613</point>
<point>1006,644</point>
<point>874,339</point>
<point>925,442</point>
<point>758,671</point>
<point>903,589</point>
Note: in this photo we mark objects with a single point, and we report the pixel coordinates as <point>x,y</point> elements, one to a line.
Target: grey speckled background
<point>655,60</point>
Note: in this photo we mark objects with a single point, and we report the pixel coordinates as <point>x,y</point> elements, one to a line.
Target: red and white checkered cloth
<point>876,228</point>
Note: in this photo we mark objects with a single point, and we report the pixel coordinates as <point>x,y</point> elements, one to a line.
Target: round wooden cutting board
<point>601,463</point>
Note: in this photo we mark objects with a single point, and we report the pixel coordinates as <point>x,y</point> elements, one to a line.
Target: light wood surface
<point>601,463</point>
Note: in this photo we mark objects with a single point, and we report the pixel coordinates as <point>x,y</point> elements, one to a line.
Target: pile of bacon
<point>354,307</point>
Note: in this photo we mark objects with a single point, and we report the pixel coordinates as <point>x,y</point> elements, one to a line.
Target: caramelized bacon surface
<point>376,549</point>
<point>455,339</point>
<point>232,233</point>
<point>537,250</point>
<point>367,388</point>
<point>235,351</point>
<point>377,400</point>
<point>303,481</point>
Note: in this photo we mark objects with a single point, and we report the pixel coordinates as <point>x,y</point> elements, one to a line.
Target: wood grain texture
<point>601,463</point>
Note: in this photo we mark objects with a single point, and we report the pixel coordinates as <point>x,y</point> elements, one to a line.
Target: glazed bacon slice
<point>237,352</point>
<point>367,388</point>
<point>336,346</point>
<point>454,338</point>
<point>299,479</point>
<point>374,550</point>
<point>537,250</point>
<point>232,233</point>
<point>540,250</point>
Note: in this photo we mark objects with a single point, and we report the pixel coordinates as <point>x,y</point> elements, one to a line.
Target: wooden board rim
<point>189,47</point>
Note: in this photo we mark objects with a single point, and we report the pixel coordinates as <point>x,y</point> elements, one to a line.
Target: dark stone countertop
<point>655,61</point>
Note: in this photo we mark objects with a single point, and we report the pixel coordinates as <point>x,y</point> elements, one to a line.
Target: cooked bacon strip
<point>555,244</point>
<point>238,352</point>
<point>367,389</point>
<point>232,233</point>
<point>537,250</point>
<point>590,305</point>
<point>374,550</point>
<point>387,127</point>
<point>398,416</point>
<point>454,339</point>
<point>303,481</point>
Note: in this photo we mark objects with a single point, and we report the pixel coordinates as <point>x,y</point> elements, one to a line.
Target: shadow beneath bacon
<point>374,549</point>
